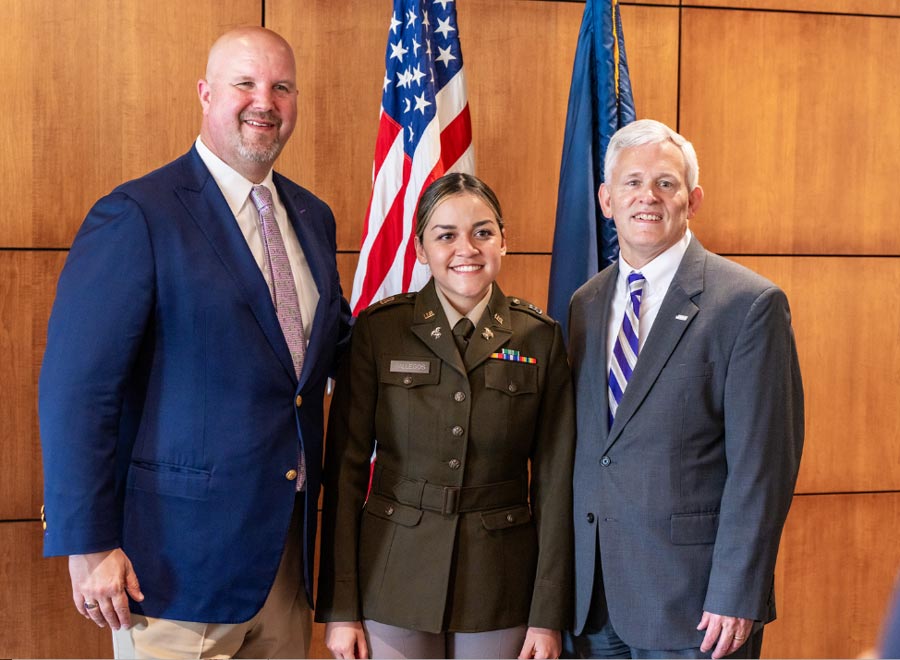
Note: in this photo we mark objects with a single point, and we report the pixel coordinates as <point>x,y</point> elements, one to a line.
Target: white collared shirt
<point>658,275</point>
<point>236,190</point>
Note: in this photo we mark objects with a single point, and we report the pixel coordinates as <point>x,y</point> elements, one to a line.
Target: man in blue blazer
<point>181,397</point>
<point>689,420</point>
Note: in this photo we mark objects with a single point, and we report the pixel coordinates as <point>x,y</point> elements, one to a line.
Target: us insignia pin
<point>498,319</point>
<point>487,334</point>
<point>436,333</point>
<point>429,315</point>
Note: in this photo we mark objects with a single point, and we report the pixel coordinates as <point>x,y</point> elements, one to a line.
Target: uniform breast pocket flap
<point>410,371</point>
<point>506,518</point>
<point>694,528</point>
<point>513,378</point>
<point>382,507</point>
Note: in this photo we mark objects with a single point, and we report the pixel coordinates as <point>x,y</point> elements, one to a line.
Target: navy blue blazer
<point>169,408</point>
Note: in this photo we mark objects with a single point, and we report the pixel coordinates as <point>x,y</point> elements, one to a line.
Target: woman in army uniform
<point>454,553</point>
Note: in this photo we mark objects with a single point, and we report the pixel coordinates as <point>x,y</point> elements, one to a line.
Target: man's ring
<point>90,605</point>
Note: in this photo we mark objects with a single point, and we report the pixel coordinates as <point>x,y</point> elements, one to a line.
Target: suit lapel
<point>316,258</point>
<point>204,202</point>
<point>595,345</point>
<point>675,315</point>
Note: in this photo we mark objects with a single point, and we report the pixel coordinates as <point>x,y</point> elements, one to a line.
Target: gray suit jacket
<point>689,490</point>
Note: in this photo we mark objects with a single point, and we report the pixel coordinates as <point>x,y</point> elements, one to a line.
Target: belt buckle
<point>450,503</point>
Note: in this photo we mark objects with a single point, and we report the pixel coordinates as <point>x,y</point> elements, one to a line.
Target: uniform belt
<point>448,500</point>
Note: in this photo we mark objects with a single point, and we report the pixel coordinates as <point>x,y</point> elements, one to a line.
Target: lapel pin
<point>487,334</point>
<point>429,315</point>
<point>436,333</point>
<point>498,319</point>
<point>680,317</point>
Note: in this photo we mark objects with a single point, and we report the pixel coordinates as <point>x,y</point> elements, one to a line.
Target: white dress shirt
<point>236,190</point>
<point>658,275</point>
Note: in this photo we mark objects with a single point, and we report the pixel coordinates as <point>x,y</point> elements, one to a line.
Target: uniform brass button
<point>510,518</point>
<point>513,388</point>
<point>590,517</point>
<point>290,475</point>
<point>407,380</point>
<point>457,431</point>
<point>298,401</point>
<point>459,397</point>
<point>388,510</point>
<point>454,463</point>
<point>605,461</point>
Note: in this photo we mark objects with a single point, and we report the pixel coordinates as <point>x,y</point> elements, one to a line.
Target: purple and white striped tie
<point>283,290</point>
<point>625,351</point>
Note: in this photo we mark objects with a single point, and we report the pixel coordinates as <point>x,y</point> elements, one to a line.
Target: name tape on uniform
<point>410,367</point>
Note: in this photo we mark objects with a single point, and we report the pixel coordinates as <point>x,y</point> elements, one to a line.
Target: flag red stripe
<point>456,138</point>
<point>388,130</point>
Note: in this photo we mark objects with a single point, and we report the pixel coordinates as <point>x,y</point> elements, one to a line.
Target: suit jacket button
<point>407,380</point>
<point>298,401</point>
<point>512,387</point>
<point>454,463</point>
<point>290,475</point>
<point>459,397</point>
<point>457,431</point>
<point>590,517</point>
<point>605,461</point>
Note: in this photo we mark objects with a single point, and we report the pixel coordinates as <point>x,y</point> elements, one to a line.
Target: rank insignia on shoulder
<point>529,308</point>
<point>436,333</point>
<point>428,315</point>
<point>510,355</point>
<point>384,301</point>
<point>487,334</point>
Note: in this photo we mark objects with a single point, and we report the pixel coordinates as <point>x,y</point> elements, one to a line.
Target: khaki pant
<point>281,629</point>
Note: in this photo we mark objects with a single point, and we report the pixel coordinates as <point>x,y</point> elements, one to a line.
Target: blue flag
<point>600,102</point>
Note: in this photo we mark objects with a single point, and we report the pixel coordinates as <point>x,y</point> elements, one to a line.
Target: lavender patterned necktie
<point>625,351</point>
<point>283,290</point>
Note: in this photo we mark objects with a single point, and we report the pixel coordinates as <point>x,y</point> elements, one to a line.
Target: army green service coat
<point>453,537</point>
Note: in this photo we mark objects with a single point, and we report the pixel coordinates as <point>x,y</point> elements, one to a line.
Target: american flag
<point>424,132</point>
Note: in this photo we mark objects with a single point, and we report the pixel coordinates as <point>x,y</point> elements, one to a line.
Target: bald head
<point>233,42</point>
<point>249,99</point>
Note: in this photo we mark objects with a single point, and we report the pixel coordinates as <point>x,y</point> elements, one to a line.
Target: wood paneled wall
<point>790,104</point>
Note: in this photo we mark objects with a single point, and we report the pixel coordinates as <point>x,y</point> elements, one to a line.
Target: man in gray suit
<point>690,424</point>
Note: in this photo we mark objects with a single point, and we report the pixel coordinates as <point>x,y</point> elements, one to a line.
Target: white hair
<point>649,131</point>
